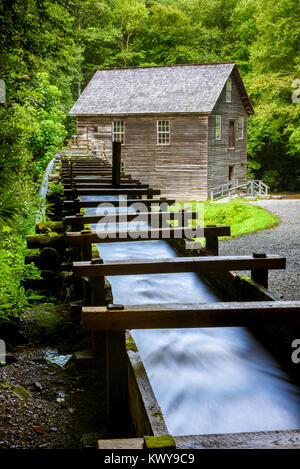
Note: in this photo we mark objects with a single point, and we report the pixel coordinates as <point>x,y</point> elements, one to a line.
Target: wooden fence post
<point>97,294</point>
<point>116,163</point>
<point>116,378</point>
<point>110,349</point>
<point>260,276</point>
<point>212,244</point>
<point>85,248</point>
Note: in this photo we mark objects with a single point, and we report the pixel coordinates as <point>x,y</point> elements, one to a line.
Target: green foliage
<point>56,188</point>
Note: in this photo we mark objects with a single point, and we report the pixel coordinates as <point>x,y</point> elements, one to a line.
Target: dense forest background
<point>50,50</point>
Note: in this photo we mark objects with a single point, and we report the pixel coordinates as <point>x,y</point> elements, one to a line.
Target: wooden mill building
<point>183,128</point>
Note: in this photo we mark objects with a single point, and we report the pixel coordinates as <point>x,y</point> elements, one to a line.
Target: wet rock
<point>38,385</point>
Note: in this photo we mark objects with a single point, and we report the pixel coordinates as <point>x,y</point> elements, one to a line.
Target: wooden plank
<point>124,443</point>
<point>284,439</point>
<point>99,179</point>
<point>148,216</point>
<point>176,265</point>
<point>112,191</point>
<point>86,171</point>
<point>167,316</point>
<point>146,234</point>
<point>108,185</point>
<point>117,203</point>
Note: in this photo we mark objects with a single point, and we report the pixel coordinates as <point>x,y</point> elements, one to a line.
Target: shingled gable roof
<point>157,90</point>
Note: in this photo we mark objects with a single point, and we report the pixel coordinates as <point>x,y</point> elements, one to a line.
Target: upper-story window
<point>228,90</point>
<point>218,128</point>
<point>163,132</point>
<point>241,127</point>
<point>118,131</point>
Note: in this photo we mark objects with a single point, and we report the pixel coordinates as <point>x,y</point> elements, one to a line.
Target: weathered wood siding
<point>220,157</point>
<point>178,169</point>
<point>193,162</point>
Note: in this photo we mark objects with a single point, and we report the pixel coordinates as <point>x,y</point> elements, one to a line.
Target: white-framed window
<point>241,127</point>
<point>118,131</point>
<point>163,132</point>
<point>228,90</point>
<point>218,128</point>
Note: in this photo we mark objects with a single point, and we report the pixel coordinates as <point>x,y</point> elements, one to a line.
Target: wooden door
<point>231,175</point>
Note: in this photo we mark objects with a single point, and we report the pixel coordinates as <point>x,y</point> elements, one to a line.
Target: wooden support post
<point>212,243</point>
<point>260,275</point>
<point>86,249</point>
<point>116,379</point>
<point>97,294</point>
<point>116,163</point>
<point>76,205</point>
<point>79,224</point>
<point>71,174</point>
<point>109,348</point>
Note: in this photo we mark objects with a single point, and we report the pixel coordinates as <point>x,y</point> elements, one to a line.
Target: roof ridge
<point>167,66</point>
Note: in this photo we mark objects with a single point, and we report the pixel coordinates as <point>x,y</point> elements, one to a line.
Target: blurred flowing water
<point>213,380</point>
<point>43,190</point>
<point>44,184</point>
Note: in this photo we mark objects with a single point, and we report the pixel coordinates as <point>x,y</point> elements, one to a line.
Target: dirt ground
<point>44,405</point>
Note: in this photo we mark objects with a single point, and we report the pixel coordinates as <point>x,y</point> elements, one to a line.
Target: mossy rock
<point>40,241</point>
<point>21,392</point>
<point>49,257</point>
<point>50,324</point>
<point>56,226</point>
<point>163,441</point>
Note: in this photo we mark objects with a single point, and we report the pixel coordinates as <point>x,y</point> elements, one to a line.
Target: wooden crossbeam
<point>178,264</point>
<point>113,191</point>
<point>105,185</point>
<point>86,172</point>
<point>85,164</point>
<point>168,316</point>
<point>86,169</point>
<point>73,239</point>
<point>156,216</point>
<point>117,203</point>
<point>95,180</point>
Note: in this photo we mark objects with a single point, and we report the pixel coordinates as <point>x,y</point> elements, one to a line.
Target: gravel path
<point>283,240</point>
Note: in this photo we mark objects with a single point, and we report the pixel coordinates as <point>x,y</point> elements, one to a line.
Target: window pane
<point>163,132</point>
<point>228,90</point>
<point>241,127</point>
<point>118,131</point>
<point>218,135</point>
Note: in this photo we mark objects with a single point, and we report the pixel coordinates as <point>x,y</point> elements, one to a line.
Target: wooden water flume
<point>108,323</point>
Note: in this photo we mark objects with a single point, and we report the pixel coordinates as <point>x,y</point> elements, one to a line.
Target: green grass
<point>242,217</point>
